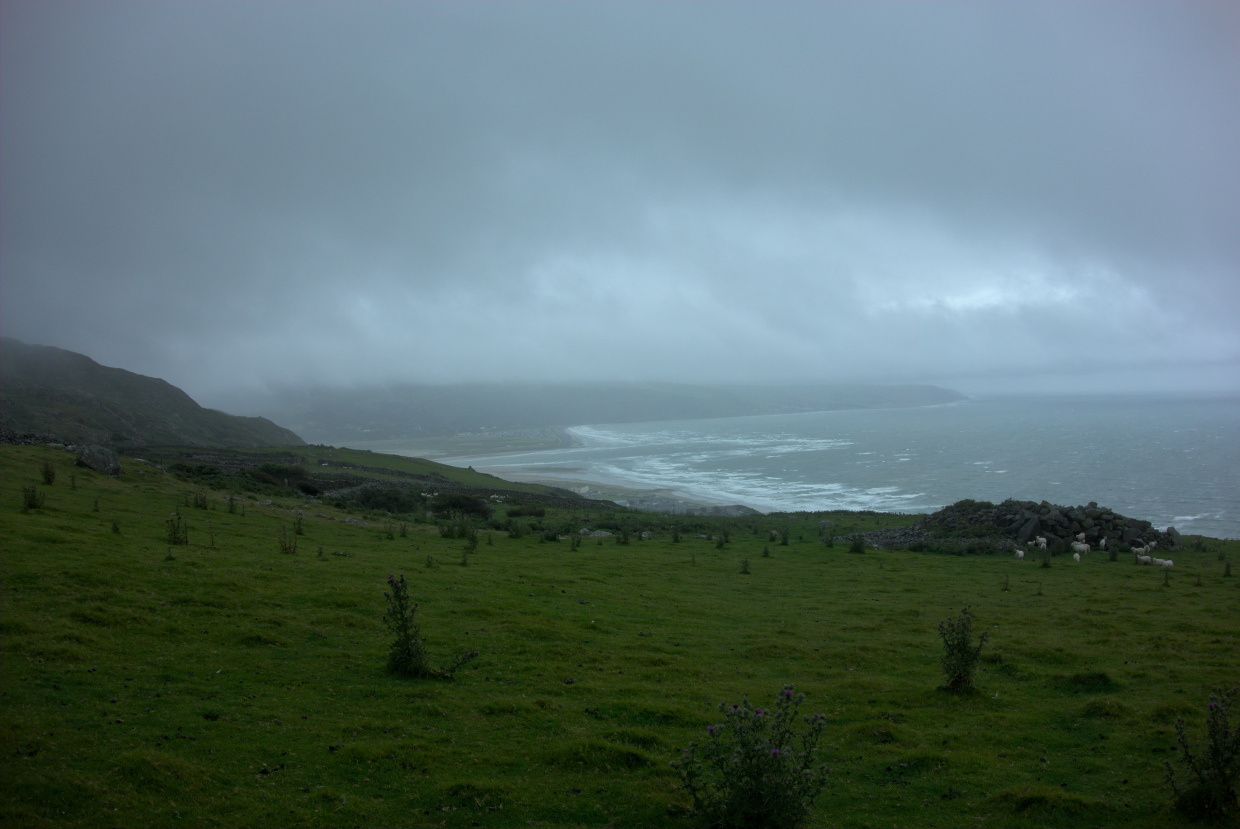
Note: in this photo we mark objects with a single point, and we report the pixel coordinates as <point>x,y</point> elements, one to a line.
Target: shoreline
<point>646,499</point>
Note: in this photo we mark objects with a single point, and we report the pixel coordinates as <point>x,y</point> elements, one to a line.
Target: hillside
<point>52,391</point>
<point>325,415</point>
<point>202,657</point>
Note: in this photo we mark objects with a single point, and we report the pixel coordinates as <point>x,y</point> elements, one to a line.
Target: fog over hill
<point>991,197</point>
<point>69,396</point>
<point>338,416</point>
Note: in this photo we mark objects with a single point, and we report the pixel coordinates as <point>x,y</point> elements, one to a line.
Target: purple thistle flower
<point>758,711</point>
<point>774,752</point>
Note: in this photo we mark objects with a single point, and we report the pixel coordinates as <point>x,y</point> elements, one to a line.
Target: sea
<point>1174,461</point>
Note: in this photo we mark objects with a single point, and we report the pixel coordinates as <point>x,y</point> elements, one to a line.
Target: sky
<point>996,197</point>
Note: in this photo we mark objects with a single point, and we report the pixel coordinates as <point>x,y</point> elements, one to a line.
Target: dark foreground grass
<point>235,685</point>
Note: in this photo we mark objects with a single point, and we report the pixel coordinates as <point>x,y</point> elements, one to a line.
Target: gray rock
<point>1175,538</point>
<point>1028,530</point>
<point>1130,535</point>
<point>99,459</point>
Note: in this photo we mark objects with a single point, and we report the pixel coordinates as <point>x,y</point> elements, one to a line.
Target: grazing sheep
<point>1102,545</point>
<point>1076,557</point>
<point>1153,544</point>
<point>1143,559</point>
<point>1158,562</point>
<point>1080,547</point>
<point>1080,536</point>
<point>1168,564</point>
<point>1020,555</point>
<point>1141,550</point>
<point>1041,542</point>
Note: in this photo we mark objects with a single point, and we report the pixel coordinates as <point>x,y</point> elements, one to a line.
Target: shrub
<point>745,566</point>
<point>959,655</point>
<point>176,530</point>
<point>32,498</point>
<point>755,770</point>
<point>407,654</point>
<point>49,473</point>
<point>287,542</point>
<point>857,543</point>
<point>1211,788</point>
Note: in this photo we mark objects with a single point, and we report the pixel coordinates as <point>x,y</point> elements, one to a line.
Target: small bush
<point>745,566</point>
<point>287,541</point>
<point>857,543</point>
<point>298,526</point>
<point>755,771</point>
<point>407,654</point>
<point>32,498</point>
<point>766,551</point>
<point>48,471</point>
<point>1210,792</point>
<point>176,531</point>
<point>959,655</point>
<point>200,500</point>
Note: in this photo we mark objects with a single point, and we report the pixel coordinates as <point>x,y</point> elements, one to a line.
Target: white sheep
<point>1041,542</point>
<point>1020,555</point>
<point>1158,562</point>
<point>1143,559</point>
<point>1080,547</point>
<point>1102,545</point>
<point>1168,564</point>
<point>1076,557</point>
<point>1080,536</point>
<point>1153,544</point>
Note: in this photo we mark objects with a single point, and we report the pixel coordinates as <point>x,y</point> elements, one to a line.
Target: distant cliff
<point>68,395</point>
<point>413,411</point>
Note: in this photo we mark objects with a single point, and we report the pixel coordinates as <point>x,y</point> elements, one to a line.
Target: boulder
<point>1028,530</point>
<point>99,459</point>
<point>1176,539</point>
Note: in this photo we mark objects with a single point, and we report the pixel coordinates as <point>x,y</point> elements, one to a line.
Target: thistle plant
<point>959,655</point>
<point>176,530</point>
<point>407,653</point>
<point>1210,791</point>
<point>755,771</point>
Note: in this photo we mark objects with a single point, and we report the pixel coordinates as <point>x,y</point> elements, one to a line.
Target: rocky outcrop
<point>1021,521</point>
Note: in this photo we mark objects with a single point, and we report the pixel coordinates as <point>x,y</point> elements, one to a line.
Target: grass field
<point>228,684</point>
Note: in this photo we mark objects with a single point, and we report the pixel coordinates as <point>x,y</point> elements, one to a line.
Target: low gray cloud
<point>240,196</point>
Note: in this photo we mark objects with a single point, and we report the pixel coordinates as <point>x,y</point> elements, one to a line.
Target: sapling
<point>1210,790</point>
<point>49,473</point>
<point>755,770</point>
<point>745,566</point>
<point>959,655</point>
<point>407,654</point>
<point>766,551</point>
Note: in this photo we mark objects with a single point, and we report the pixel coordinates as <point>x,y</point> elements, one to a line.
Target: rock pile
<point>1013,522</point>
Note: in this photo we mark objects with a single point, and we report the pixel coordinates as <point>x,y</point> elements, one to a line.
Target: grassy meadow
<point>225,683</point>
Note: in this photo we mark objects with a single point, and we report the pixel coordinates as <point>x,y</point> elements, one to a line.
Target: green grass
<point>237,686</point>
